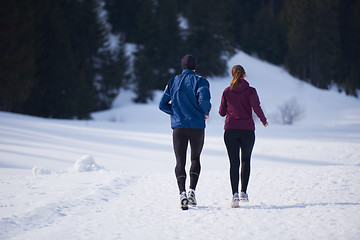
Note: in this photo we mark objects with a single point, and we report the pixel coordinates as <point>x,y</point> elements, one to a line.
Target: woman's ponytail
<point>238,73</point>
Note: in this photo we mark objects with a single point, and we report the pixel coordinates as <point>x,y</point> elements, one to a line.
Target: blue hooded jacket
<point>187,99</point>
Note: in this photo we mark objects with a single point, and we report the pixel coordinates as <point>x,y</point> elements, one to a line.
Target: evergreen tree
<point>169,43</point>
<point>144,76</point>
<point>159,47</point>
<point>69,61</point>
<point>88,36</point>
<point>268,34</point>
<point>147,49</point>
<point>123,17</point>
<point>111,75</point>
<point>206,39</point>
<point>242,20</point>
<point>349,14</point>
<point>17,58</point>
<point>313,40</point>
<point>52,97</point>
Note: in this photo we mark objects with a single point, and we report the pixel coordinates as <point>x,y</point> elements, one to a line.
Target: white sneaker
<point>191,197</point>
<point>244,197</point>
<point>235,201</point>
<point>184,201</point>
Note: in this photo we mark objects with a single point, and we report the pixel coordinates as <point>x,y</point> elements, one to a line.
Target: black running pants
<point>236,140</point>
<point>181,138</point>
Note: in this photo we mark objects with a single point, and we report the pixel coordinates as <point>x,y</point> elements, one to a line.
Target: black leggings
<point>236,139</point>
<point>181,137</point>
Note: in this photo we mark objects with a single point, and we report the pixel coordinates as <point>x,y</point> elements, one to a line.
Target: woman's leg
<point>247,144</point>
<point>233,147</point>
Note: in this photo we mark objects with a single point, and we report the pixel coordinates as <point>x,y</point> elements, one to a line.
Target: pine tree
<point>268,34</point>
<point>144,76</point>
<point>111,76</point>
<point>70,36</point>
<point>350,37</point>
<point>88,35</point>
<point>206,39</point>
<point>169,42</point>
<point>147,49</point>
<point>17,58</point>
<point>55,64</point>
<point>313,40</point>
<point>123,17</point>
<point>242,17</point>
<point>159,47</point>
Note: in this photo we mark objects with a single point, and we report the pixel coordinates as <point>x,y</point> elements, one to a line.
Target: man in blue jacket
<point>187,100</point>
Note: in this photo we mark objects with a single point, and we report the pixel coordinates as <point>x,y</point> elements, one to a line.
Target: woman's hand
<point>266,124</point>
<point>206,116</point>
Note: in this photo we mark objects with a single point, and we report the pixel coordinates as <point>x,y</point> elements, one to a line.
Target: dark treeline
<point>56,61</point>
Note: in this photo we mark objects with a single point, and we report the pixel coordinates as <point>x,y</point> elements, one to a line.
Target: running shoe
<point>235,201</point>
<point>191,197</point>
<point>244,197</point>
<point>184,201</point>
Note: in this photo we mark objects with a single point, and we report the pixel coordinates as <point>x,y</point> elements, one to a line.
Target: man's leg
<point>196,144</point>
<point>180,142</point>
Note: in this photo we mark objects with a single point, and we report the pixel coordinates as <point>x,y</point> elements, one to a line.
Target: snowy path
<point>304,181</point>
<point>291,203</point>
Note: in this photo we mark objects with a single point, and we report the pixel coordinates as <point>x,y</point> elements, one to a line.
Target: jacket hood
<point>243,86</point>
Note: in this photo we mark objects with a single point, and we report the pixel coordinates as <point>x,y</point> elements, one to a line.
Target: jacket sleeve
<point>165,104</point>
<point>203,95</point>
<point>255,104</point>
<point>223,106</point>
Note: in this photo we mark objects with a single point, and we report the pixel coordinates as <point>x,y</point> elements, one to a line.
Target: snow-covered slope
<point>112,177</point>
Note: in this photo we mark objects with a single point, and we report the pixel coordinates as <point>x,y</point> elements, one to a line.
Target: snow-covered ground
<point>113,177</point>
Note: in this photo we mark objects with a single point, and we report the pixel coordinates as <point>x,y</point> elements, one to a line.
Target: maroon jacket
<point>237,106</point>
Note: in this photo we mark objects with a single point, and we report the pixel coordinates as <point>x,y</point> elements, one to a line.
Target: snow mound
<point>40,171</point>
<point>85,164</point>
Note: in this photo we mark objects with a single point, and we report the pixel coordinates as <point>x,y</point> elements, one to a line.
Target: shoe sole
<point>184,204</point>
<point>235,203</point>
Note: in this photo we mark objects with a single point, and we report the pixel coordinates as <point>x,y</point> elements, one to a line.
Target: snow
<point>85,164</point>
<point>113,177</point>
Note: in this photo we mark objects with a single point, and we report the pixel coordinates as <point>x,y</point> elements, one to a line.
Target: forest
<point>58,58</point>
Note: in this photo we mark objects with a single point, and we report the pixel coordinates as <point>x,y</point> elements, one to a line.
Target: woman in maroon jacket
<point>237,102</point>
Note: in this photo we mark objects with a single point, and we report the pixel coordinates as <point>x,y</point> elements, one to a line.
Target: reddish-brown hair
<point>238,73</point>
